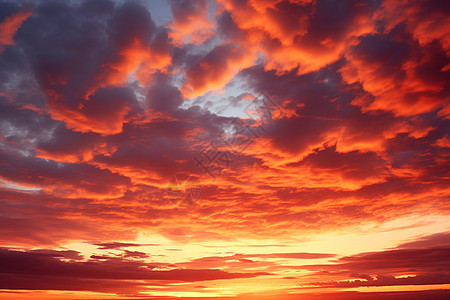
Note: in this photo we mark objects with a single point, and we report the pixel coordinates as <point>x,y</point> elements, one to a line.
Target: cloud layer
<point>291,122</point>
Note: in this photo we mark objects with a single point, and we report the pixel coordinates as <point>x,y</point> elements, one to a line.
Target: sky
<point>224,149</point>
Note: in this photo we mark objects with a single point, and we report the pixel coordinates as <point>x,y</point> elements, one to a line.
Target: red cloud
<point>426,20</point>
<point>9,27</point>
<point>215,69</point>
<point>190,22</point>
<point>297,34</point>
<point>94,125</point>
<point>403,77</point>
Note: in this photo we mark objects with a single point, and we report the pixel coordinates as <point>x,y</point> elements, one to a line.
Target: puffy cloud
<point>404,77</point>
<point>100,108</point>
<point>301,35</point>
<point>215,69</point>
<point>85,64</point>
<point>69,146</point>
<point>190,22</point>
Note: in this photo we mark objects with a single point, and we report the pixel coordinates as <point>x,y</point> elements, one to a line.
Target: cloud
<point>118,245</point>
<point>71,146</point>
<point>417,259</point>
<point>420,262</point>
<point>100,108</point>
<point>381,280</point>
<point>441,239</point>
<point>215,69</point>
<point>404,77</point>
<point>88,89</point>
<point>249,262</point>
<point>68,180</point>
<point>9,27</point>
<point>163,96</point>
<point>351,165</point>
<point>301,35</point>
<point>190,22</point>
<point>425,19</point>
<point>27,269</point>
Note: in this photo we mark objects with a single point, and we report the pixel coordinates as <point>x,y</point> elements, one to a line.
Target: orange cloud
<point>350,155</point>
<point>403,77</point>
<point>427,20</point>
<point>190,23</point>
<point>297,34</point>
<point>135,58</point>
<point>9,27</point>
<point>215,69</point>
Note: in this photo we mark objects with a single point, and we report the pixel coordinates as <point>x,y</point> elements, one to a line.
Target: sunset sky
<point>225,149</point>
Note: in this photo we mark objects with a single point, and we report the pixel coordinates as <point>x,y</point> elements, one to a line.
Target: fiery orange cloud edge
<point>344,195</point>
